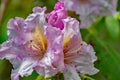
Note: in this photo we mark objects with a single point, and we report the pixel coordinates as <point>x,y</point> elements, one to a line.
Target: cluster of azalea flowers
<point>51,43</point>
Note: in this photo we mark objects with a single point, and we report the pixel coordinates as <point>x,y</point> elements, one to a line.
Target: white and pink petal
<point>70,73</point>
<point>23,68</point>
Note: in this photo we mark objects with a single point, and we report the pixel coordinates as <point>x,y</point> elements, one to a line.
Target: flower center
<point>39,42</point>
<point>69,50</point>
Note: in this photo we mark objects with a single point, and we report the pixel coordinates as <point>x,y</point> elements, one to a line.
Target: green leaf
<point>5,69</point>
<point>39,78</point>
<point>112,25</point>
<point>86,78</point>
<point>117,16</point>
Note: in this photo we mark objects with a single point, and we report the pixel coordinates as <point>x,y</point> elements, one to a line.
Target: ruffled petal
<point>23,67</point>
<point>84,61</point>
<point>70,73</point>
<point>35,19</point>
<point>71,27</point>
<point>10,52</point>
<point>4,50</point>
<point>52,62</point>
<point>72,37</point>
<point>15,27</point>
<point>22,63</point>
<point>16,30</point>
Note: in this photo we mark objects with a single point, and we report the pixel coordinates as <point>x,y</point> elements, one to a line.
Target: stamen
<point>39,38</point>
<point>75,51</point>
<point>33,45</point>
<point>38,43</point>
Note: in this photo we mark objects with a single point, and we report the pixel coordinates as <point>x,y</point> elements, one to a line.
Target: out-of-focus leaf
<point>117,16</point>
<point>58,76</point>
<point>39,78</point>
<point>5,69</point>
<point>108,61</point>
<point>112,25</point>
<point>48,3</point>
<point>86,78</point>
<point>43,78</point>
<point>118,8</point>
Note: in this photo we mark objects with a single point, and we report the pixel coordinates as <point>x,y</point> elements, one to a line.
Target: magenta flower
<point>56,16</point>
<point>89,10</point>
<point>33,45</point>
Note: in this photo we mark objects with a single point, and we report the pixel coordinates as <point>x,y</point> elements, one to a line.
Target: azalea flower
<point>33,45</point>
<point>78,56</point>
<point>89,10</point>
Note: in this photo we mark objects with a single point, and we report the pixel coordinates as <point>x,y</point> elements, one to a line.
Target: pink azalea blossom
<point>78,56</point>
<point>89,10</point>
<point>33,45</point>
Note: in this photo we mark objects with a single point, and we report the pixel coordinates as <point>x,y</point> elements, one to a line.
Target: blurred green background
<point>103,35</point>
